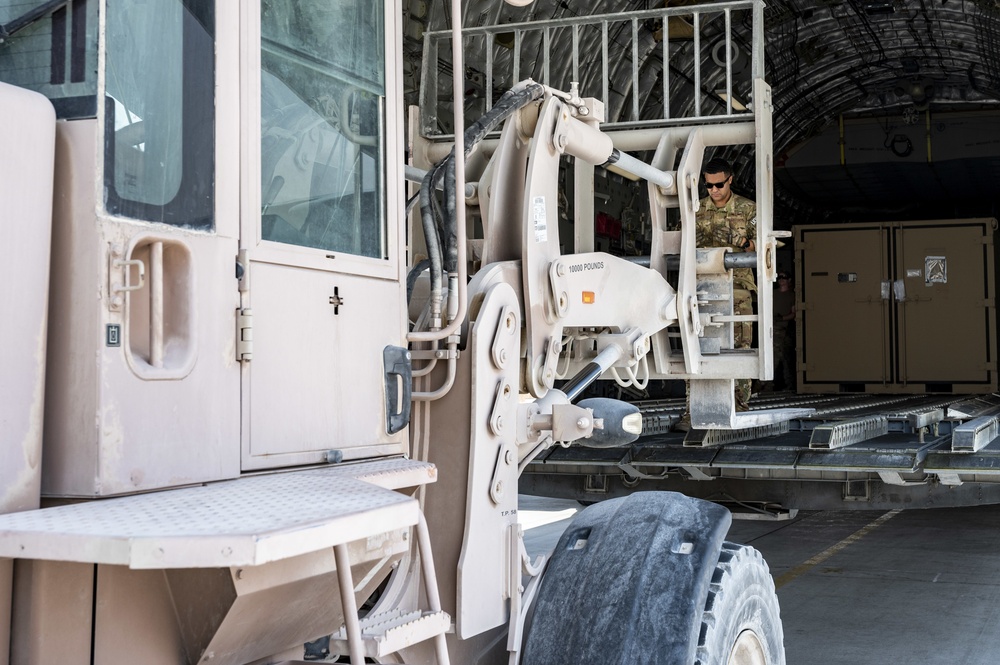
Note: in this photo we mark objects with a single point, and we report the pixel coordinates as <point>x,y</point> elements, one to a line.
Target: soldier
<point>726,219</point>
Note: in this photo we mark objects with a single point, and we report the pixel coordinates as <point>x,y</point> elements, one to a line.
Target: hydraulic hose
<point>440,229</point>
<point>431,235</point>
<point>514,99</point>
<point>413,275</point>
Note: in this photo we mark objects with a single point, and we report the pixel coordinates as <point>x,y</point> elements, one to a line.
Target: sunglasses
<point>716,185</point>
<point>782,276</point>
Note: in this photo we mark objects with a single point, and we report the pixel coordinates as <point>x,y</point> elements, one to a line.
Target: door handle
<point>398,388</point>
<point>899,290</point>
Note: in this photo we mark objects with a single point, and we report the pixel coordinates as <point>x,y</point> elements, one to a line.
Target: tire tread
<point>739,565</point>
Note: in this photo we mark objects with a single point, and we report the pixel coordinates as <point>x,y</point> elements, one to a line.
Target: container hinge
<point>244,334</point>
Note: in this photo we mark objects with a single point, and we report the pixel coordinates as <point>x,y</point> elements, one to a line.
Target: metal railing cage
<point>656,68</point>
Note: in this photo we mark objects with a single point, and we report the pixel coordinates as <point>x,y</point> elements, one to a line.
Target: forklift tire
<point>741,624</point>
<point>648,579</point>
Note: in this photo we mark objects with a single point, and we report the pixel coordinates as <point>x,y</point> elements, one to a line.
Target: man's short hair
<point>719,166</point>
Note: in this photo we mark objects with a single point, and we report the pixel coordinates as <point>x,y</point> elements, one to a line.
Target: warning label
<point>541,225</point>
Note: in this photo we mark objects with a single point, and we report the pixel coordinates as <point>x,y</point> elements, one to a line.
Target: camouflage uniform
<point>731,226</point>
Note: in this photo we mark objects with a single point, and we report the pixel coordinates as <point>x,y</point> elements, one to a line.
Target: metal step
<point>244,522</point>
<point>388,632</point>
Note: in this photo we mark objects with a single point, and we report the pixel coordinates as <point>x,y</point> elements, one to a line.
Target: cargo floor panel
<point>985,461</point>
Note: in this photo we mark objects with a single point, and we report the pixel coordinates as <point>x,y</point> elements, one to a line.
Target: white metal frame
<point>433,40</point>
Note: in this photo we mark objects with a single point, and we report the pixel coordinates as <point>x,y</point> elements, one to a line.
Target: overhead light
<point>921,91</point>
<point>738,106</point>
<point>879,7</point>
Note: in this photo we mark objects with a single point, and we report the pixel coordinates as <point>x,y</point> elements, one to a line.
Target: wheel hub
<point>747,650</point>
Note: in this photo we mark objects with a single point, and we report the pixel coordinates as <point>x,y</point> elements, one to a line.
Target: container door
<point>320,242</point>
<point>944,308</point>
<point>843,282</point>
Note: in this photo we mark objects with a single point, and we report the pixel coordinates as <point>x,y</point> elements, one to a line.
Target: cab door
<point>321,244</point>
<point>144,285</point>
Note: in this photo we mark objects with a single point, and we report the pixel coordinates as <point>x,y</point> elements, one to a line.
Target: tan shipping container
<point>896,307</point>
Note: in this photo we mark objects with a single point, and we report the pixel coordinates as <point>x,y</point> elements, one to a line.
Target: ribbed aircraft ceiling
<point>882,108</point>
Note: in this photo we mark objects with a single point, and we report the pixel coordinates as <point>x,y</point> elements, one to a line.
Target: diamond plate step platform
<point>386,633</point>
<point>391,474</point>
<point>244,522</point>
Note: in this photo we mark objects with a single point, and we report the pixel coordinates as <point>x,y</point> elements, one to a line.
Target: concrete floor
<point>862,587</point>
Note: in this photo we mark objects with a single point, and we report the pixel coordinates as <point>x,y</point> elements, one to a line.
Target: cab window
<point>322,124</point>
<point>159,111</point>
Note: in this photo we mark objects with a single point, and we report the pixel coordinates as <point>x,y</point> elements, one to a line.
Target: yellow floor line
<point>787,577</point>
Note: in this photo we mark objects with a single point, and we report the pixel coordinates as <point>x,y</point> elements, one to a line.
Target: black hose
<point>413,275</point>
<point>440,228</point>
<point>450,231</point>
<point>516,98</point>
<point>431,236</point>
<point>439,215</point>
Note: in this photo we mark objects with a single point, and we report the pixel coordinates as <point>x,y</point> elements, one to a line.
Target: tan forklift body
<point>222,433</point>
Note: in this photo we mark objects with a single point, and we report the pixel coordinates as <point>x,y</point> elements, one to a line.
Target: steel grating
<point>392,631</point>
